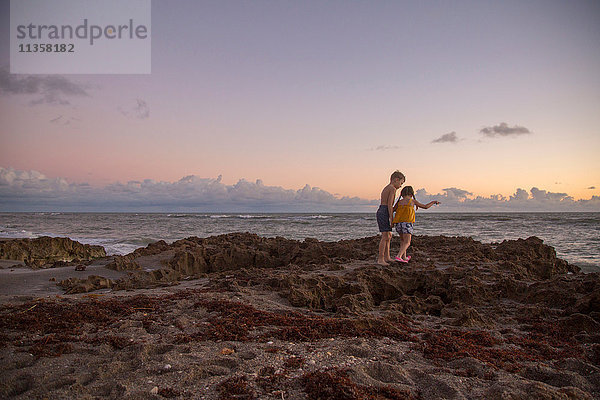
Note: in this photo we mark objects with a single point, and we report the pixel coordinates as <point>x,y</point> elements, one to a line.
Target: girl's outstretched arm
<point>426,206</point>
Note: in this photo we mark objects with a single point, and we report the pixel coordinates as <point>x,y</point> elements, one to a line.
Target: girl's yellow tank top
<point>405,213</point>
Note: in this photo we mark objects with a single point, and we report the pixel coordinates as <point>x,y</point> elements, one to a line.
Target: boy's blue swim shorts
<point>383,219</point>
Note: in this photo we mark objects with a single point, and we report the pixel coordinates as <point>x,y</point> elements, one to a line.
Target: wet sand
<point>18,280</point>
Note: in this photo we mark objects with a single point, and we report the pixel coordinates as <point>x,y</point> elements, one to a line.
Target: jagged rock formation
<point>244,250</point>
<point>451,277</point>
<point>47,250</point>
<point>89,284</point>
<point>455,277</point>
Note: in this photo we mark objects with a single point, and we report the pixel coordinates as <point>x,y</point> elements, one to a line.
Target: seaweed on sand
<point>117,342</point>
<point>62,322</point>
<point>335,384</point>
<point>236,321</point>
<point>236,387</point>
<point>508,354</point>
<point>52,345</point>
<point>45,317</point>
<point>169,392</point>
<point>548,340</point>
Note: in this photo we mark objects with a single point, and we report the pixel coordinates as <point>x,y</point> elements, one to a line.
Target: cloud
<point>140,110</point>
<point>454,199</point>
<point>519,196</point>
<point>384,148</point>
<point>504,130</point>
<point>542,195</point>
<point>457,193</point>
<point>592,188</point>
<point>32,190</point>
<point>48,89</point>
<point>447,138</point>
<point>60,120</point>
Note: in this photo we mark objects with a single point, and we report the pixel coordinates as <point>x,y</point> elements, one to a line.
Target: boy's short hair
<point>397,175</point>
<point>407,191</point>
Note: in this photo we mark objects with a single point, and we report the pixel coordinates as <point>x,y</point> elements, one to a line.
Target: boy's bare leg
<point>388,258</point>
<point>384,248</point>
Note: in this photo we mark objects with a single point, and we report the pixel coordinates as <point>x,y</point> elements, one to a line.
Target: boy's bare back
<point>388,194</point>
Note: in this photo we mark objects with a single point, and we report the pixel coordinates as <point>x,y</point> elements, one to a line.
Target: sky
<point>311,105</point>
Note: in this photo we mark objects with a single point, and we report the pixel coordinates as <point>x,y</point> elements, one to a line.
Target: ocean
<point>575,236</point>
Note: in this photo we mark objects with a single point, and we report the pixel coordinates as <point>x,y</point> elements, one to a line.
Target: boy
<point>385,214</point>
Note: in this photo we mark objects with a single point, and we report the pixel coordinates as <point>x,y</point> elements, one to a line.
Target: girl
<point>404,217</point>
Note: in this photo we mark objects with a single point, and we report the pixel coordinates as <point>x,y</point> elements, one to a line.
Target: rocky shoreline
<point>48,252</point>
<point>242,316</point>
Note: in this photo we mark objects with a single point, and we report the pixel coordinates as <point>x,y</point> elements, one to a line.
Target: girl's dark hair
<point>407,191</point>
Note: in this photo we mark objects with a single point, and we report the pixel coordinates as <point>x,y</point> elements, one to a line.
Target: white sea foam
<point>117,246</point>
<point>13,234</point>
<point>310,217</point>
<point>119,249</point>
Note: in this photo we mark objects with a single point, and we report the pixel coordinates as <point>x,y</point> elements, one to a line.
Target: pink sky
<point>334,95</point>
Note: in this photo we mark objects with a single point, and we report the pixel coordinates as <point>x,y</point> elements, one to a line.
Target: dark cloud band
<point>50,89</point>
<point>32,191</point>
<point>447,138</point>
<point>504,130</point>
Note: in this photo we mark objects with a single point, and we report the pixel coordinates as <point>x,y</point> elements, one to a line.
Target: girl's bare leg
<point>407,239</point>
<point>402,240</point>
<point>404,246</point>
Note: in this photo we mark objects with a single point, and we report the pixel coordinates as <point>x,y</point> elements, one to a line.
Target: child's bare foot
<point>382,263</point>
<point>388,260</point>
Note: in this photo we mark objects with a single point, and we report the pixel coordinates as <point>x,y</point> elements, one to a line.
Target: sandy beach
<point>240,316</point>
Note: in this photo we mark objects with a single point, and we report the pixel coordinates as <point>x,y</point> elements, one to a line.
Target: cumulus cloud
<point>504,130</point>
<point>32,190</point>
<point>535,199</point>
<point>456,193</point>
<point>447,138</point>
<point>542,195</point>
<point>47,89</point>
<point>139,110</point>
<point>384,148</point>
<point>520,195</point>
